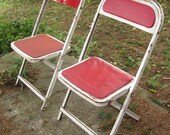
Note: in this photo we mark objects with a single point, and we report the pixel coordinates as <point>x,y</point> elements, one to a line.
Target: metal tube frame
<point>123,108</point>
<point>60,61</point>
<point>140,70</point>
<point>64,51</point>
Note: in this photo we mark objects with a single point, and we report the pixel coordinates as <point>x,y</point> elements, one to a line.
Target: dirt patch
<point>154,120</point>
<point>19,114</point>
<point>7,124</point>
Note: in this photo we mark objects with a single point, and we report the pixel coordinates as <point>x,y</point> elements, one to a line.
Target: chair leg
<point>121,114</point>
<point>118,121</point>
<point>50,88</point>
<point>128,112</point>
<point>24,62</point>
<point>64,103</point>
<point>43,107</point>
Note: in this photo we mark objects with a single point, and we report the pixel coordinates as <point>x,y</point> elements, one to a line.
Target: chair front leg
<point>118,106</point>
<point>121,114</point>
<point>24,62</point>
<point>64,103</point>
<point>50,88</point>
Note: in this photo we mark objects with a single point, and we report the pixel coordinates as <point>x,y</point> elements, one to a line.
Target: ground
<point>20,111</point>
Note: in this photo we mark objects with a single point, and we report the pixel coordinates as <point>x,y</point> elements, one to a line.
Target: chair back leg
<point>34,32</point>
<point>40,15</point>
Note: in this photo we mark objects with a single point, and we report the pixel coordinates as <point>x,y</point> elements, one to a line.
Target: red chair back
<point>138,13</point>
<point>72,3</point>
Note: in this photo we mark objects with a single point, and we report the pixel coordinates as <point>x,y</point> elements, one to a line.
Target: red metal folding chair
<point>101,83</point>
<point>43,46</point>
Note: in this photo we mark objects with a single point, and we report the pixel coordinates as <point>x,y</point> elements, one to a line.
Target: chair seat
<point>96,77</point>
<point>37,47</point>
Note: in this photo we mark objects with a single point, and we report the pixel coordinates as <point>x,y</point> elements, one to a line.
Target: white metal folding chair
<point>43,46</point>
<point>99,82</point>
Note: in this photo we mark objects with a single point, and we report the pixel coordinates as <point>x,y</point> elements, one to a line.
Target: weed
<point>159,103</point>
<point>104,115</point>
<point>133,106</point>
<point>163,86</point>
<point>107,120</point>
<point>30,117</point>
<point>145,131</point>
<point>130,126</point>
<point>129,61</point>
<point>147,69</point>
<point>8,76</point>
<point>90,2</point>
<point>153,82</point>
<point>12,31</point>
<point>153,91</point>
<point>77,47</point>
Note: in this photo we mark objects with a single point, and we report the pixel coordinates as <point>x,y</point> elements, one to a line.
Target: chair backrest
<point>79,4</point>
<point>72,3</point>
<point>143,14</point>
<point>146,15</point>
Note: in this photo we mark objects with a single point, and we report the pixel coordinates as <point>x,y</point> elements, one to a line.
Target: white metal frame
<point>155,30</point>
<point>45,58</point>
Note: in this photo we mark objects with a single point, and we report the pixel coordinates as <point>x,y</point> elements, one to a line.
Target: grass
<point>8,76</point>
<point>114,43</point>
<point>104,115</point>
<point>160,103</point>
<point>130,126</point>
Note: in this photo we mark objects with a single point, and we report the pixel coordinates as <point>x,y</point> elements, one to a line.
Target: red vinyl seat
<point>39,46</point>
<point>96,77</point>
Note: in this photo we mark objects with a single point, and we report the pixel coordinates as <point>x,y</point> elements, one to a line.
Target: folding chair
<point>43,47</point>
<point>101,83</point>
